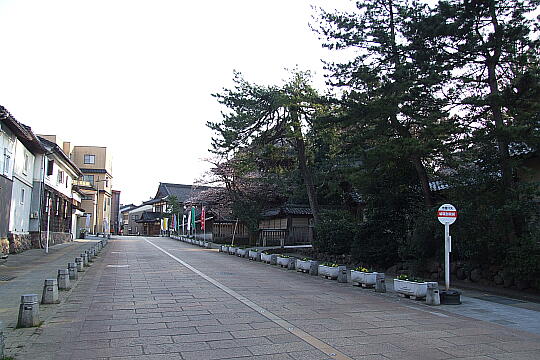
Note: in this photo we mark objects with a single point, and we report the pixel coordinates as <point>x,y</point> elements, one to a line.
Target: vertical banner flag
<point>183,223</point>
<point>203,219</point>
<point>165,224</point>
<point>189,222</point>
<point>193,218</point>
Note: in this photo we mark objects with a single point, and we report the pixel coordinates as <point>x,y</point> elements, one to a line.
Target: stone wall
<point>19,243</point>
<point>4,246</point>
<point>55,238</point>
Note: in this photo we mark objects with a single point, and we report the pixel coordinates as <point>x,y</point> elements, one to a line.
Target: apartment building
<point>95,163</point>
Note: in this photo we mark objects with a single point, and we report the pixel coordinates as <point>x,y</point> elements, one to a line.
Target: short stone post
<point>2,342</point>
<point>72,269</point>
<point>432,294</point>
<point>85,259</point>
<point>63,279</point>
<point>50,292</point>
<point>342,274</point>
<point>292,264</point>
<point>314,268</point>
<point>89,255</point>
<point>28,311</point>
<point>80,264</point>
<point>273,259</point>
<point>380,284</point>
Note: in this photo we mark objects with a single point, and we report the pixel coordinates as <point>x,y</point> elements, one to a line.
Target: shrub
<point>335,232</point>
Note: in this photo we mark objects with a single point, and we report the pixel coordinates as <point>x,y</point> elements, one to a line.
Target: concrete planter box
<point>303,265</point>
<point>329,272</point>
<point>224,248</point>
<point>254,255</point>
<point>266,258</point>
<point>242,252</point>
<point>414,290</point>
<point>283,261</point>
<point>232,250</point>
<point>363,279</point>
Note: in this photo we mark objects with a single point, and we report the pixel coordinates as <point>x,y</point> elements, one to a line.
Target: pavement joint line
<point>313,341</point>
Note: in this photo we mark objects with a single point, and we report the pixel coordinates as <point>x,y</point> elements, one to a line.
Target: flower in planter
<point>362,269</point>
<point>409,278</point>
<point>305,259</point>
<point>284,256</point>
<point>329,264</point>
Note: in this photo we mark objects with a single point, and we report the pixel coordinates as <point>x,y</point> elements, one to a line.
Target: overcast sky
<point>137,76</point>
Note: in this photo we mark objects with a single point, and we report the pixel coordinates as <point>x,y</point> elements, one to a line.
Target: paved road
<point>157,298</point>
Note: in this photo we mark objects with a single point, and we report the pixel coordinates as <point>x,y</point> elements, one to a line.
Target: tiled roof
<point>97,171</point>
<point>23,132</point>
<point>288,210</point>
<point>180,191</point>
<point>148,216</point>
<point>52,147</point>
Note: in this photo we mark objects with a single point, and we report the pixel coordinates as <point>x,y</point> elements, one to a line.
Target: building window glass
<point>22,196</point>
<point>60,179</point>
<point>89,178</point>
<point>50,167</point>
<point>57,206</point>
<point>7,161</point>
<point>89,159</point>
<point>26,161</point>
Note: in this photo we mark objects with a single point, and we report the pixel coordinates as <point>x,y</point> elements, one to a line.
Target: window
<point>65,209</point>
<point>7,161</point>
<point>50,167</point>
<point>60,178</point>
<point>22,196</point>
<point>89,159</point>
<point>87,197</point>
<point>89,178</point>
<point>26,161</point>
<point>57,206</point>
<point>67,181</point>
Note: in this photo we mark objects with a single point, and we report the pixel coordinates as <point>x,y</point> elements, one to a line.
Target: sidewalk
<point>25,273</point>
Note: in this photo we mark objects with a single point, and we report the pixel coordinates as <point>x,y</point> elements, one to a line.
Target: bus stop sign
<point>447,214</point>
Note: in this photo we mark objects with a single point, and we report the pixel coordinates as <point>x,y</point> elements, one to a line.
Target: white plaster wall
<point>19,220</point>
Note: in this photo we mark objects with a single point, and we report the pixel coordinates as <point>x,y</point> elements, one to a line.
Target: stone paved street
<point>158,298</point>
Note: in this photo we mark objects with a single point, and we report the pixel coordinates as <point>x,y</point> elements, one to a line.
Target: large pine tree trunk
<point>305,172</point>
<point>308,178</point>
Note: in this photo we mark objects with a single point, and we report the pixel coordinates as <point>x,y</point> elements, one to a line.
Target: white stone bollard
<point>90,255</point>
<point>380,284</point>
<point>432,294</point>
<point>50,292</point>
<point>63,279</point>
<point>73,272</point>
<point>314,268</point>
<point>28,311</point>
<point>85,259</point>
<point>292,264</point>
<point>342,274</point>
<point>80,264</point>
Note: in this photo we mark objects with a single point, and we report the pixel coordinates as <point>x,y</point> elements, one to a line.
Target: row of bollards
<point>29,308</point>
